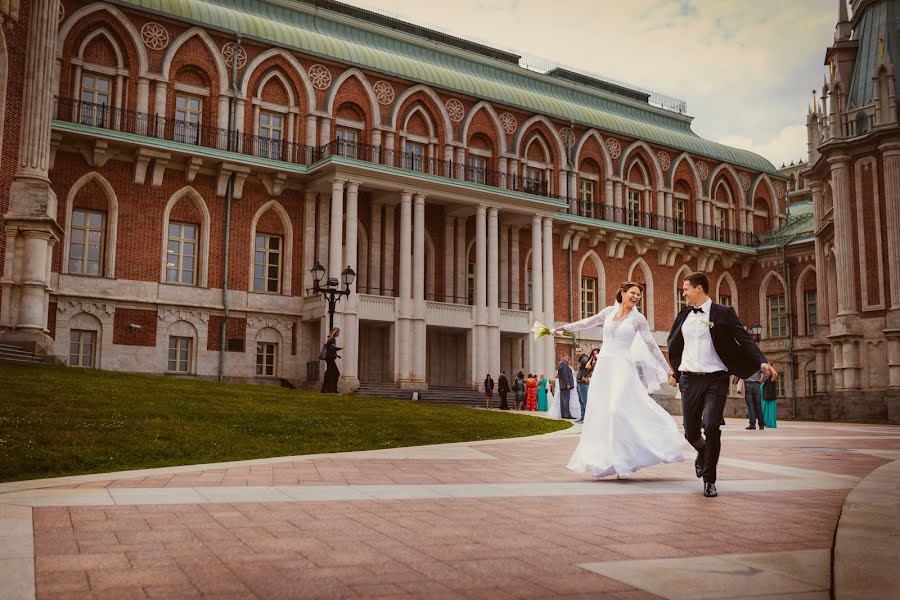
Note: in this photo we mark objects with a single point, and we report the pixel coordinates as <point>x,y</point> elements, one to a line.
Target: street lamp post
<point>756,332</point>
<point>330,291</point>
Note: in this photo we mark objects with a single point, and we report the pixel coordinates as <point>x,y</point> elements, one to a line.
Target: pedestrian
<point>519,390</point>
<point>769,396</point>
<point>330,355</point>
<point>542,393</point>
<point>566,382</point>
<point>584,380</point>
<point>488,392</point>
<point>531,385</point>
<point>503,390</point>
<point>581,384</point>
<point>752,398</point>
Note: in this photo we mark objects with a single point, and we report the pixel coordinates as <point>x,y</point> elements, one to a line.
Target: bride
<point>624,428</point>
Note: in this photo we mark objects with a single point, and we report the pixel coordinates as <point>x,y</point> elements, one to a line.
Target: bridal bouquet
<point>539,330</point>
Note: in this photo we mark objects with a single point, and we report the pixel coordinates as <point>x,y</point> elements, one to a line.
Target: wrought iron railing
<point>156,126</point>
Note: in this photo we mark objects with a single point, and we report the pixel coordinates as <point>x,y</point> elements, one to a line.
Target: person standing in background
<point>503,390</point>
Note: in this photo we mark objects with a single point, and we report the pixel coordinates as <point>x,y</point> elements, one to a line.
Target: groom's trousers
<point>703,406</point>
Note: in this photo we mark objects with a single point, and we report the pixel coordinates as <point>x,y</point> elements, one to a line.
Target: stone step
<point>14,351</point>
<point>21,359</point>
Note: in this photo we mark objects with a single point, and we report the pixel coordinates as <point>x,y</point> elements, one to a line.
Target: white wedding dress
<point>624,428</point>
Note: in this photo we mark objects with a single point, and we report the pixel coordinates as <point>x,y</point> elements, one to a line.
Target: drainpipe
<point>788,297</point>
<point>229,195</point>
<point>571,250</point>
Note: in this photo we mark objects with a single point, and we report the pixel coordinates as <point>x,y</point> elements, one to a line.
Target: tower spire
<point>842,29</point>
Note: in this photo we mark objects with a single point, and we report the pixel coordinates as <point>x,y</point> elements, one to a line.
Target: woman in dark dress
<point>330,381</point>
<point>503,390</point>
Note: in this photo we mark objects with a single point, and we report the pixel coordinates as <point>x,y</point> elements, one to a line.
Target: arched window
<point>268,353</point>
<point>91,228</point>
<point>185,258</point>
<point>271,252</point>
<point>182,348</point>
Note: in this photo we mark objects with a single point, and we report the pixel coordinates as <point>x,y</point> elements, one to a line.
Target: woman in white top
<point>624,428</point>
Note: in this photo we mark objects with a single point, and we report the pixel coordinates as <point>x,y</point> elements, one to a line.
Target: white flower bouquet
<point>539,330</point>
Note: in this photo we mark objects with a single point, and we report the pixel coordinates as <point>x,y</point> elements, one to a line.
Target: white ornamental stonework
<point>455,110</point>
<point>703,170</point>
<point>614,147</point>
<point>509,123</point>
<point>384,92</point>
<point>664,161</point>
<point>155,36</point>
<point>745,181</point>
<point>779,190</point>
<point>228,53</point>
<point>567,136</point>
<point>320,77</point>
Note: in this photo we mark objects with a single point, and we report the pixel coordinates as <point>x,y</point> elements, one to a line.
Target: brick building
<point>470,195</point>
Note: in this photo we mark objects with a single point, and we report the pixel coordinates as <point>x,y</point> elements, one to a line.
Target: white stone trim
<point>126,23</point>
<point>428,120</point>
<point>112,223</point>
<point>203,243</point>
<point>727,278</point>
<point>370,93</point>
<point>298,68</point>
<point>601,300</point>
<point>800,306</point>
<point>218,59</point>
<point>649,295</point>
<point>579,146</point>
<point>623,160</point>
<point>120,61</point>
<point>439,105</point>
<point>274,73</point>
<point>764,305</point>
<point>554,134</point>
<point>495,119</point>
<point>191,89</point>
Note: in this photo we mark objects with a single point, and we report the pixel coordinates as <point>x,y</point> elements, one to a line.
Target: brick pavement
<point>493,520</point>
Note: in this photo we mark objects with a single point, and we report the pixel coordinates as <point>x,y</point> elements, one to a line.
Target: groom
<point>707,342</point>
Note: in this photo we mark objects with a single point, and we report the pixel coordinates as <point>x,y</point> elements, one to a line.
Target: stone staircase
<point>452,396</point>
<point>19,353</point>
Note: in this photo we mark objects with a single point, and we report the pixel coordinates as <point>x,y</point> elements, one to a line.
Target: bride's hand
<point>672,381</point>
<point>558,332</point>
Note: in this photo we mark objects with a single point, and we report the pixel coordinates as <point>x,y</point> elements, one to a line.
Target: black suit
<point>703,396</point>
<point>566,383</point>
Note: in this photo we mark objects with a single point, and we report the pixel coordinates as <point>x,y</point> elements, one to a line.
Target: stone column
<point>837,361</point>
<point>851,364</point>
<point>670,211</point>
<point>493,295</point>
<point>159,107</point>
<point>309,238</point>
<point>843,236</point>
<point>502,168</point>
<point>537,291</point>
<point>31,225</point>
<point>335,239</point>
<point>323,231</point>
<point>350,308</point>
<point>449,255</point>
<point>504,266</point>
<point>325,131</point>
<point>459,171</point>
<point>479,310</point>
<point>549,315</point>
<point>375,249</point>
<point>821,370</point>
<point>515,268</point>
<point>891,155</point>
<point>142,104</point>
<point>404,326</point>
<point>418,292</point>
<point>462,268</point>
<point>389,245</point>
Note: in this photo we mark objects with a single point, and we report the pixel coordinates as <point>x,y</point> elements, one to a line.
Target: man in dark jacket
<point>566,383</point>
<point>503,390</point>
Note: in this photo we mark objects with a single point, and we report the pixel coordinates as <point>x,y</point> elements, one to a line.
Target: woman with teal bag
<point>769,394</point>
<point>542,393</point>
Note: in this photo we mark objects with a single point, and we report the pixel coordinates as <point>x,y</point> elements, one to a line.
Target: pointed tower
<point>842,29</point>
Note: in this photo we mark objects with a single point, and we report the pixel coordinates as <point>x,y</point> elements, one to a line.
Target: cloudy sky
<point>746,68</point>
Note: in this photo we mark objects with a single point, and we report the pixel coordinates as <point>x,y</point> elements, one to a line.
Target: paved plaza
<point>495,519</point>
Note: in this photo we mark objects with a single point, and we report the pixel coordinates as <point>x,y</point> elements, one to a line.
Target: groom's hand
<point>769,370</point>
<point>672,381</point>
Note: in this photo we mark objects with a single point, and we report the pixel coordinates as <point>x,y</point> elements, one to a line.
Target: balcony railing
<point>155,126</point>
<point>646,220</point>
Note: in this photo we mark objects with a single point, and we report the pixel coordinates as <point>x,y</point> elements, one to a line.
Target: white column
<point>843,238</point>
<point>549,316</point>
<point>323,231</point>
<point>670,211</point>
<point>462,268</point>
<point>515,268</point>
<point>309,238</point>
<point>142,103</point>
<point>479,311</point>
<point>390,212</point>
<point>504,266</point>
<point>335,239</point>
<point>892,210</point>
<point>159,107</point>
<point>617,194</point>
<point>350,366</point>
<point>537,288</point>
<point>418,291</point>
<point>325,125</point>
<point>404,339</point>
<point>502,168</point>
<point>449,238</point>
<point>493,296</point>
<point>375,249</point>
<point>460,167</point>
<point>311,130</point>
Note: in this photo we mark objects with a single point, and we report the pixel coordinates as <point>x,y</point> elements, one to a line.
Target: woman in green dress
<point>542,393</point>
<point>769,395</point>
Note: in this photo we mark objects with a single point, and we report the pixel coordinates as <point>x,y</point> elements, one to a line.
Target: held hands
<point>672,381</point>
<point>769,370</point>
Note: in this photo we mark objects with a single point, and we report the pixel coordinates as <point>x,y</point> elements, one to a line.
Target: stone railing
<point>441,314</point>
<point>313,307</point>
<point>515,321</point>
<point>376,308</point>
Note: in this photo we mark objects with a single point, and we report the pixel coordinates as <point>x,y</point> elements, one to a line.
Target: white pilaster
<point>390,245</point>
<point>549,316</point>
<point>449,238</point>
<point>479,313</point>
<point>404,339</point>
<point>335,238</point>
<point>375,248</point>
<point>493,296</point>
<point>843,238</point>
<point>892,210</point>
<point>350,371</point>
<point>323,230</point>
<point>537,288</point>
<point>462,268</point>
<point>309,238</point>
<point>418,291</point>
<point>515,268</point>
<point>504,266</point>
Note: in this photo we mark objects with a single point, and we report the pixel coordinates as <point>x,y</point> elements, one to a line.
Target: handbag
<point>324,353</point>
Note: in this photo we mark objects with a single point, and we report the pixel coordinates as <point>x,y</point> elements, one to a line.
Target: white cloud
<point>744,68</point>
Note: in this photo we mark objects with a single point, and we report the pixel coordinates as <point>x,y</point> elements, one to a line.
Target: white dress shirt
<point>699,354</point>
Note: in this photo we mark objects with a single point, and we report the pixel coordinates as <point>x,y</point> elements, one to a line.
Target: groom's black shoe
<point>698,468</point>
<point>709,490</point>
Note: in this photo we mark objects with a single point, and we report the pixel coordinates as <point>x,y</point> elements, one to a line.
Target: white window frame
<point>720,222</point>
<point>477,172</point>
<point>680,216</point>
<point>348,144</point>
<point>811,323</point>
<point>188,125</point>
<point>267,146</point>
<point>179,255</point>
<point>81,355</point>
<point>182,362</point>
<point>262,352</point>
<point>91,115</point>
<point>413,161</point>
<point>586,197</point>
<point>531,184</point>
<point>85,244</point>
<point>632,216</point>
<point>588,288</point>
<point>267,252</point>
<point>777,319</point>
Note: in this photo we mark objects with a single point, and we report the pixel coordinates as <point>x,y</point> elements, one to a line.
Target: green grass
<point>58,421</point>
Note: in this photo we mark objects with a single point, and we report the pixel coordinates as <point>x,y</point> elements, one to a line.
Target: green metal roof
<point>312,31</point>
<point>879,21</point>
<point>800,225</point>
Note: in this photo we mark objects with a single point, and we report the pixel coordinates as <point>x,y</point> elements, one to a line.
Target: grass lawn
<point>58,421</point>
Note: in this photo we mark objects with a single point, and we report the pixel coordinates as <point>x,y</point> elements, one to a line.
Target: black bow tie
<point>696,310</point>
